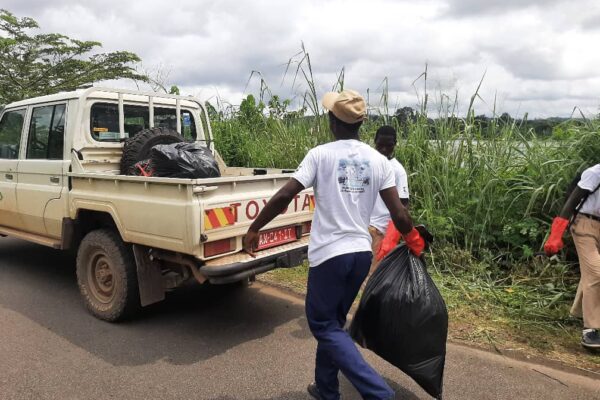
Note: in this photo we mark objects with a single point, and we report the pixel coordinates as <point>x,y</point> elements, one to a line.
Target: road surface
<point>202,343</point>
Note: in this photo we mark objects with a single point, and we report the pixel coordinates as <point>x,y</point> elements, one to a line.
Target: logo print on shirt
<point>353,175</point>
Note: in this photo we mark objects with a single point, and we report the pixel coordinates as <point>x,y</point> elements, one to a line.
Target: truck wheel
<point>138,148</point>
<point>106,275</point>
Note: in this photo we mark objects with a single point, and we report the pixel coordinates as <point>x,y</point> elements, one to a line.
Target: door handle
<point>9,176</point>
<point>55,179</point>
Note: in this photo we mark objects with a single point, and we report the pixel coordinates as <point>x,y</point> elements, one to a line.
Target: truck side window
<point>46,133</point>
<point>188,125</point>
<point>104,118</point>
<point>11,127</point>
<point>167,118</point>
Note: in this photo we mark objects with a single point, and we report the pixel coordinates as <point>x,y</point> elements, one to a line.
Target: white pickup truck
<point>136,237</point>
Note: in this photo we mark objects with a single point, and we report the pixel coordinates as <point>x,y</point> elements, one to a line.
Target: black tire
<point>106,275</point>
<point>138,148</point>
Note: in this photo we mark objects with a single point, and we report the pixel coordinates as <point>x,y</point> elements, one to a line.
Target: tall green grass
<point>490,190</point>
<point>487,192</point>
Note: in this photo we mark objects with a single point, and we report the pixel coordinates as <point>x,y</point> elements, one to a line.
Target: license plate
<point>275,237</point>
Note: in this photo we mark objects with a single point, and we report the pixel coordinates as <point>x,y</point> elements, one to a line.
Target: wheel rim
<point>101,277</point>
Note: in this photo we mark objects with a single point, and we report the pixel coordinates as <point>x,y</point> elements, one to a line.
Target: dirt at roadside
<point>489,336</point>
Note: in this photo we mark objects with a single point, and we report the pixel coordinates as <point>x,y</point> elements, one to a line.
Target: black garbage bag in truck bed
<point>403,318</point>
<point>183,160</point>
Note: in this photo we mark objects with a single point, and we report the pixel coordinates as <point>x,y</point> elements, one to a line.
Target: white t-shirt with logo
<point>590,179</point>
<point>346,176</point>
<point>381,215</point>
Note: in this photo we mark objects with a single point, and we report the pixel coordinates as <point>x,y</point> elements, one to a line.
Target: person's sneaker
<point>590,339</point>
<point>313,390</point>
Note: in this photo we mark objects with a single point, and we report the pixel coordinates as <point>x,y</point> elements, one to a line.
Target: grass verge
<point>515,317</point>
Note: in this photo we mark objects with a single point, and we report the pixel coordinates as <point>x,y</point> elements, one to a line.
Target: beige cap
<point>348,105</point>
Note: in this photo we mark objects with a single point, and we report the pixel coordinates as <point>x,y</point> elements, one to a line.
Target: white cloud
<point>539,56</point>
<point>461,8</point>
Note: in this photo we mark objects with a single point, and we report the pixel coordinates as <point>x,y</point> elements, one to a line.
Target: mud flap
<point>150,280</point>
<point>291,259</point>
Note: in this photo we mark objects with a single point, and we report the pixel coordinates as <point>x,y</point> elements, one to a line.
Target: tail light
<point>219,247</point>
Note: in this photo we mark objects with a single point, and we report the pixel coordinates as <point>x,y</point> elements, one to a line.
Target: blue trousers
<point>332,288</point>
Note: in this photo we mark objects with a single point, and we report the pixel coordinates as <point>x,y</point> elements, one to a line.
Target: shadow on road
<point>191,325</point>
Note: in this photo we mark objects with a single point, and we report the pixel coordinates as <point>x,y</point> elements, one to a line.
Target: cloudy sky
<point>538,56</point>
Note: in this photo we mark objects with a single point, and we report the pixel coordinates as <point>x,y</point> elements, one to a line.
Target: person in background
<point>385,236</point>
<point>584,203</point>
<point>347,176</point>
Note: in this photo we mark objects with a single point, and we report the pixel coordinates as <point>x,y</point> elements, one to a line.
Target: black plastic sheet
<point>403,318</point>
<point>183,160</point>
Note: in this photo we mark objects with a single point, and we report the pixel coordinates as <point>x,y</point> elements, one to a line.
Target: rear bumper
<point>240,266</point>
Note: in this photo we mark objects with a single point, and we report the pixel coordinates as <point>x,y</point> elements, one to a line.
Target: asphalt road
<point>202,343</point>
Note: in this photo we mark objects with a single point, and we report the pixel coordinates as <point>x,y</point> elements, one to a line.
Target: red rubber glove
<point>555,243</point>
<point>390,240</point>
<point>415,242</point>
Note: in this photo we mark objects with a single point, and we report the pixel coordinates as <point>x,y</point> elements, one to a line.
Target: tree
<point>40,64</point>
<point>157,78</point>
<point>482,122</point>
<point>277,107</point>
<point>405,115</point>
<point>506,118</point>
<point>213,114</point>
<point>251,113</point>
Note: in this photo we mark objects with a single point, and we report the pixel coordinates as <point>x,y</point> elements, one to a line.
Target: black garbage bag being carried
<point>183,160</point>
<point>403,318</point>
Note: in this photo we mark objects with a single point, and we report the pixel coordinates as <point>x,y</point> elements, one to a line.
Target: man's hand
<point>390,240</point>
<point>415,242</point>
<point>273,208</point>
<point>251,242</point>
<point>554,244</point>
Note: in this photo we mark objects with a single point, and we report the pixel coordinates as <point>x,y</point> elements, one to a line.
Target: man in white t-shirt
<point>385,236</point>
<point>347,176</point>
<point>585,202</point>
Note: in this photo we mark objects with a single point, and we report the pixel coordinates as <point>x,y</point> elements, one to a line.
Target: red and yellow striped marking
<point>219,217</point>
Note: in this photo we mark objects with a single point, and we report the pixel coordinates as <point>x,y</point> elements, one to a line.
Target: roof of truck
<point>109,94</point>
<point>46,99</point>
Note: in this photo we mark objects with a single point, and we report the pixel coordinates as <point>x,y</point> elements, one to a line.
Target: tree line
<point>34,64</point>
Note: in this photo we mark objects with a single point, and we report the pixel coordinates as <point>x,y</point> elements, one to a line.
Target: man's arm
<point>273,208</point>
<point>573,201</point>
<point>402,221</point>
<point>554,243</point>
<point>391,237</point>
<point>398,211</point>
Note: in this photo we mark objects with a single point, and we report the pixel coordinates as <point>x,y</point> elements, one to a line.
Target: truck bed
<point>169,213</point>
